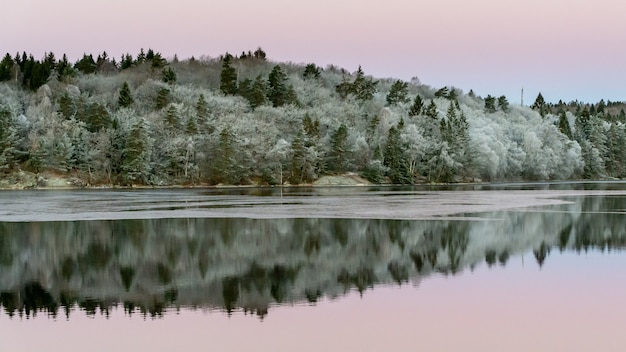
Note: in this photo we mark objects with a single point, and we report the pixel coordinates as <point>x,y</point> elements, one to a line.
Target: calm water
<point>492,268</point>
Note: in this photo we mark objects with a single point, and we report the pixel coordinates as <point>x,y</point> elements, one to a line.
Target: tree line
<point>243,119</point>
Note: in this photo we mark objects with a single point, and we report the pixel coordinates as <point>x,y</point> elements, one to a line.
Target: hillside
<point>246,120</point>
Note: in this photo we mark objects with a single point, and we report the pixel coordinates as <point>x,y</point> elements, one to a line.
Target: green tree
<point>259,54</point>
<point>564,126</point>
<point>394,160</point>
<point>202,108</point>
<point>67,108</point>
<point>540,105</point>
<point>338,155</point>
<point>399,93</point>
<point>6,65</point>
<point>363,87</point>
<point>490,104</point>
<point>277,88</point>
<point>416,108</point>
<point>9,141</point>
<point>86,64</point>
<point>162,98</point>
<point>125,98</point>
<point>442,93</point>
<point>258,92</point>
<point>503,103</point>
<point>225,166</point>
<point>135,167</point>
<point>228,76</point>
<point>168,76</point>
<point>311,71</point>
<point>431,110</point>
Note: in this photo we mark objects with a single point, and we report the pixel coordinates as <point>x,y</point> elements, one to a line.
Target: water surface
<point>500,267</point>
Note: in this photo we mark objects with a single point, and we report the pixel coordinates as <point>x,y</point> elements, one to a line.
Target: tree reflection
<point>152,266</point>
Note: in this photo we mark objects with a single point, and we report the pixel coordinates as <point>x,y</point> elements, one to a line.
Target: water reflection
<point>151,266</point>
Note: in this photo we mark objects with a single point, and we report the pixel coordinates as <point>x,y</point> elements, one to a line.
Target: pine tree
<point>298,159</point>
<point>540,105</point>
<point>162,98</point>
<point>503,103</point>
<point>228,77</point>
<point>67,108</point>
<point>126,62</point>
<point>86,65</point>
<point>393,158</point>
<point>125,98</point>
<point>202,108</point>
<point>564,126</point>
<point>416,108</point>
<point>277,88</point>
<point>168,76</point>
<point>311,71</point>
<point>490,104</point>
<point>363,87</point>
<point>431,110</point>
<point>399,93</point>
<point>258,92</point>
<point>6,65</point>
<point>135,163</point>
<point>9,141</point>
<point>338,150</point>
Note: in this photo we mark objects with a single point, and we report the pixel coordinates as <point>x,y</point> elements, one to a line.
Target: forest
<point>245,120</point>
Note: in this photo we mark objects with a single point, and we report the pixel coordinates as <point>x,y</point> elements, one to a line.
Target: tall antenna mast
<point>522,101</point>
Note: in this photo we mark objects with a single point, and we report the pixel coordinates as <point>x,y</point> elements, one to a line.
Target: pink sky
<point>568,50</point>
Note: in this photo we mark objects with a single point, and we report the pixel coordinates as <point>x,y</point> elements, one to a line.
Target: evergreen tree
<point>416,108</point>
<point>503,103</point>
<point>277,88</point>
<point>97,118</point>
<point>442,93</point>
<point>344,88</point>
<point>171,117</point>
<point>141,57</point>
<point>431,110</point>
<point>67,108</point>
<point>298,159</point>
<point>311,71</point>
<point>86,65</point>
<point>126,62</point>
<point>258,92</point>
<point>490,104</point>
<point>162,98</point>
<point>564,125</point>
<point>228,77</point>
<point>540,105</point>
<point>259,54</point>
<point>338,155</point>
<point>6,65</point>
<point>224,166</point>
<point>125,98</point>
<point>9,141</point>
<point>363,87</point>
<point>168,76</point>
<point>399,93</point>
<point>393,158</point>
<point>135,166</point>
<point>202,108</point>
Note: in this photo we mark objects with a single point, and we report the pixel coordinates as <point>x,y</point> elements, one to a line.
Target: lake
<point>503,267</point>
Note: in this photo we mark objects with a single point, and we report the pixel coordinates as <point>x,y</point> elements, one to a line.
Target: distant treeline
<point>242,119</point>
